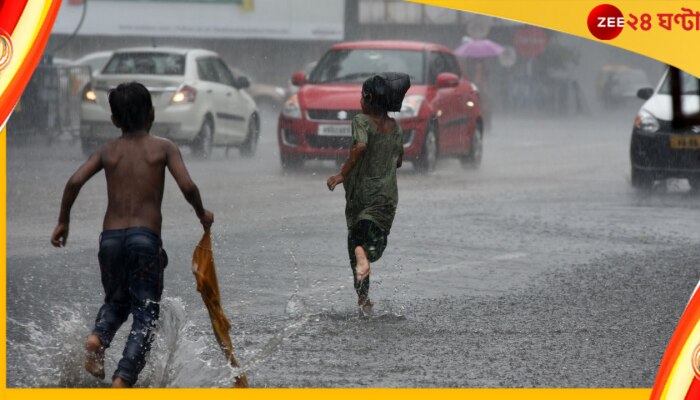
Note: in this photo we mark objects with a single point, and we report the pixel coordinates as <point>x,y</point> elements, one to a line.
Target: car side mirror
<point>242,82</point>
<point>447,80</point>
<point>645,93</point>
<point>298,78</point>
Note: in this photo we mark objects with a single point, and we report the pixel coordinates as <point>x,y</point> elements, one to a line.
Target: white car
<point>96,61</point>
<point>198,101</point>
<point>658,150</point>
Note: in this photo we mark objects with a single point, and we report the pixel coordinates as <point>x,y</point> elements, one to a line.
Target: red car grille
<point>332,115</point>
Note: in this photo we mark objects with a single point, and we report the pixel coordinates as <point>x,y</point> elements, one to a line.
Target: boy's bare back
<point>134,166</point>
<point>135,170</point>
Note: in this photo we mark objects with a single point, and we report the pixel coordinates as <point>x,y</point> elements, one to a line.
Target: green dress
<point>371,192</point>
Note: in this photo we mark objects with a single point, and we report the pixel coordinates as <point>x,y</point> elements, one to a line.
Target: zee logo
<point>605,22</point>
<point>611,22</point>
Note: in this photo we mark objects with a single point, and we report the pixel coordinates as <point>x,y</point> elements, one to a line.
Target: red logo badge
<point>606,22</point>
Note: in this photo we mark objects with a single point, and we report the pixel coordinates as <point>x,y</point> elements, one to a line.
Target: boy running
<point>369,179</point>
<point>131,256</point>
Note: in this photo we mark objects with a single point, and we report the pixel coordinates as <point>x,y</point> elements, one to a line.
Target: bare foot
<point>95,357</point>
<point>362,269</point>
<point>366,306</point>
<point>120,383</point>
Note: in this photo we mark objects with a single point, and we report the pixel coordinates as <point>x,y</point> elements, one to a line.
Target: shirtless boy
<point>131,256</point>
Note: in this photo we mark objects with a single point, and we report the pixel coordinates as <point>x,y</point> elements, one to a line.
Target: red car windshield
<point>356,65</point>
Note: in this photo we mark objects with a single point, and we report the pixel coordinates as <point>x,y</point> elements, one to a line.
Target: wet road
<point>542,269</point>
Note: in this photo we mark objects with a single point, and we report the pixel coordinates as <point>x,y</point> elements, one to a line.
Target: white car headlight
<point>646,122</point>
<point>89,94</point>
<point>291,108</point>
<point>410,107</point>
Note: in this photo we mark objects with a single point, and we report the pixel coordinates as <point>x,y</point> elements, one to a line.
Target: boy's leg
<point>120,383</point>
<point>95,357</point>
<point>147,261</point>
<point>115,309</point>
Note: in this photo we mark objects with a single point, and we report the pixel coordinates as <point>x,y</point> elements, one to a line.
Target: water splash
<point>182,354</point>
<point>49,357</point>
<point>296,306</point>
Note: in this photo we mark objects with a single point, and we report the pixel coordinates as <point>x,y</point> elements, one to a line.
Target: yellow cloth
<point>207,284</point>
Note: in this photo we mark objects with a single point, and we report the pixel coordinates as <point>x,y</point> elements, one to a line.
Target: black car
<point>657,150</point>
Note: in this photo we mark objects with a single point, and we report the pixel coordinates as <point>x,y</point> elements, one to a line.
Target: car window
<point>238,73</point>
<point>439,62</point>
<point>689,84</point>
<point>356,65</point>
<point>96,64</point>
<point>205,70</point>
<point>146,63</point>
<point>452,64</point>
<point>223,73</point>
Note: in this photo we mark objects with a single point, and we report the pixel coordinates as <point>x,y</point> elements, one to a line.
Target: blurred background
<point>532,70</point>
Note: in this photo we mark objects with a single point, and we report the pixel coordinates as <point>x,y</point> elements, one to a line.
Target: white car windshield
<point>689,84</point>
<point>146,64</point>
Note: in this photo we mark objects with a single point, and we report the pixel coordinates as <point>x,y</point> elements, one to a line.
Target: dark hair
<point>131,106</point>
<point>385,92</point>
<point>371,99</point>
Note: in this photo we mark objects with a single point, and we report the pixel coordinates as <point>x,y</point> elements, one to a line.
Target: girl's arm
<point>356,153</point>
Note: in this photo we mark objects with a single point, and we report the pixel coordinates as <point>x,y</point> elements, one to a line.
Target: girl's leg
<point>362,269</point>
<point>361,285</point>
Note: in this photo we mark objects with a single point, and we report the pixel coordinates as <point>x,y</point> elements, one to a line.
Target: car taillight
<point>185,94</point>
<point>89,95</point>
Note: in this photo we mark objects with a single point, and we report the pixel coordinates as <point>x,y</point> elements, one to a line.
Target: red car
<point>440,115</point>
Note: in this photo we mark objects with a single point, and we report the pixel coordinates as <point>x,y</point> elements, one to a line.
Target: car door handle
<point>209,91</point>
<point>228,94</point>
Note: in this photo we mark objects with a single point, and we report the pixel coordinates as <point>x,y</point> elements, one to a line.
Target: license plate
<point>683,142</point>
<point>335,130</point>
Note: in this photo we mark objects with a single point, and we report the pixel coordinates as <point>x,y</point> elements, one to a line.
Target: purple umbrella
<point>478,49</point>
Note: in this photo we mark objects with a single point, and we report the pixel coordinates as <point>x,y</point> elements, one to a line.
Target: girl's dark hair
<point>131,106</point>
<point>385,92</point>
<point>371,98</point>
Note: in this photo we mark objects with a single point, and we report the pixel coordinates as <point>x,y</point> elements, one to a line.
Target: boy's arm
<point>70,193</point>
<point>177,169</point>
<point>358,149</point>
